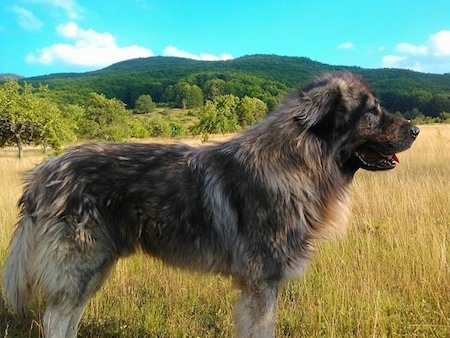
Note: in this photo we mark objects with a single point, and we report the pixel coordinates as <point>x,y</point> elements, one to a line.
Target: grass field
<point>388,277</point>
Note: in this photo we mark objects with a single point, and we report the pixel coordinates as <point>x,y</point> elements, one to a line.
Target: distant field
<point>184,117</point>
<point>389,277</point>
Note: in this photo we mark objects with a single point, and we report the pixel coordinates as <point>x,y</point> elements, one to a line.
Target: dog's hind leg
<point>71,265</point>
<point>66,306</point>
<point>255,310</point>
<point>60,322</point>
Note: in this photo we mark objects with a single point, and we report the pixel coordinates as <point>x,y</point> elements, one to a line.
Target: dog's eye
<point>375,111</point>
<point>372,117</point>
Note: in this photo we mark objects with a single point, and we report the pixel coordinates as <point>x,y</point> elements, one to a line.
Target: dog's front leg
<point>255,310</point>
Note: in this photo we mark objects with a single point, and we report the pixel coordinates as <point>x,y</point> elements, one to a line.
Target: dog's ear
<point>322,105</point>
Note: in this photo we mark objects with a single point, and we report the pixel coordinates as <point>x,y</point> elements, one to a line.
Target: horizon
<point>44,37</point>
<point>5,75</point>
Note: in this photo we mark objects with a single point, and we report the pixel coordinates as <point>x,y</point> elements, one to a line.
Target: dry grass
<point>389,277</point>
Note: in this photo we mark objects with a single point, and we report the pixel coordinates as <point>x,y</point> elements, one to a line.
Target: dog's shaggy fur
<point>249,207</point>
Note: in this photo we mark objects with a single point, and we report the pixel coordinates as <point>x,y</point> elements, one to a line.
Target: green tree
<point>413,114</point>
<point>74,116</point>
<point>181,90</point>
<point>440,102</point>
<point>444,117</point>
<point>226,116</point>
<point>183,95</point>
<point>194,97</point>
<point>105,119</point>
<point>218,116</point>
<point>158,127</point>
<point>207,121</point>
<point>250,110</point>
<point>137,128</point>
<point>144,104</point>
<point>52,128</point>
<point>214,88</point>
<point>29,117</point>
<point>177,129</point>
<point>169,94</point>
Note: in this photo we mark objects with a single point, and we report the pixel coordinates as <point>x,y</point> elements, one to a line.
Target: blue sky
<point>39,37</point>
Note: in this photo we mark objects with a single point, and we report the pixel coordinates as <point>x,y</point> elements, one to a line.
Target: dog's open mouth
<point>374,160</point>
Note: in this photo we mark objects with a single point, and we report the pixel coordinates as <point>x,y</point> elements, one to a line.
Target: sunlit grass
<point>388,277</point>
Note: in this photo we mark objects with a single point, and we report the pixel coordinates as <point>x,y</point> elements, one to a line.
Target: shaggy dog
<point>249,208</point>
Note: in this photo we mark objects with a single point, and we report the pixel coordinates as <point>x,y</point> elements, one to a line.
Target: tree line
<point>30,116</point>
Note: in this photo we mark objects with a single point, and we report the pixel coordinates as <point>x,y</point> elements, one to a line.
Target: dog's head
<point>342,111</point>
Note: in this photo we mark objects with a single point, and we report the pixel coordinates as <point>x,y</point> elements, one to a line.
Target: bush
<point>177,129</point>
<point>158,127</point>
<point>444,117</point>
<point>137,129</point>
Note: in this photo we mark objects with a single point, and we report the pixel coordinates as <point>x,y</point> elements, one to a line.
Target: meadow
<point>388,277</point>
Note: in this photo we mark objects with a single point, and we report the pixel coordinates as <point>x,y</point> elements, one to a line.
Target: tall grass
<point>388,277</point>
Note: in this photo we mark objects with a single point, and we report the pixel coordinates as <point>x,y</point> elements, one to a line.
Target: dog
<point>250,207</point>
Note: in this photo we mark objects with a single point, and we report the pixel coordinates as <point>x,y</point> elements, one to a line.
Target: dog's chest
<point>336,214</point>
<point>326,219</point>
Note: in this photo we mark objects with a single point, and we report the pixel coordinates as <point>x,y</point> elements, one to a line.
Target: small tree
<point>169,95</point>
<point>250,110</point>
<point>444,117</point>
<point>213,88</point>
<point>194,97</point>
<point>183,95</point>
<point>218,116</point>
<point>144,104</point>
<point>53,129</point>
<point>158,127</point>
<point>137,128</point>
<point>180,90</point>
<point>105,119</point>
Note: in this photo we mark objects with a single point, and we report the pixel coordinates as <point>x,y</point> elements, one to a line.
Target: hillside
<point>268,77</point>
<point>4,76</point>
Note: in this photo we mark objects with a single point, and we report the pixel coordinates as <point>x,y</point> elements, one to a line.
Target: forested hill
<point>268,77</point>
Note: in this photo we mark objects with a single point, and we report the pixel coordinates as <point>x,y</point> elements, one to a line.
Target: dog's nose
<point>414,131</point>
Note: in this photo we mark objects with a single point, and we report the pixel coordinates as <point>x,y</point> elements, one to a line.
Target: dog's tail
<point>17,273</point>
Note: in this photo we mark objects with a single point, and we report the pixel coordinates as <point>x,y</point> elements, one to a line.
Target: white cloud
<point>174,51</point>
<point>390,61</point>
<point>440,43</point>
<point>89,48</point>
<point>70,7</point>
<point>404,62</point>
<point>432,56</point>
<point>411,49</point>
<point>26,18</point>
<point>395,61</point>
<point>346,45</point>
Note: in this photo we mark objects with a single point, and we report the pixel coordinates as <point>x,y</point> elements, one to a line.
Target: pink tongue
<point>395,158</point>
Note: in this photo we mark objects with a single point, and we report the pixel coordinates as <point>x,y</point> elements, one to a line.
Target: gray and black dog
<point>249,208</point>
